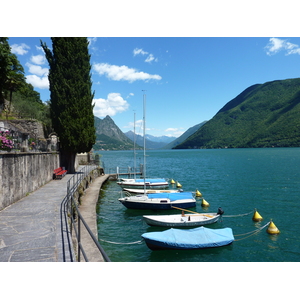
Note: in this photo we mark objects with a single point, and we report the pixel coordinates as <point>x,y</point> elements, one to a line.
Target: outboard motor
<point>220,211</point>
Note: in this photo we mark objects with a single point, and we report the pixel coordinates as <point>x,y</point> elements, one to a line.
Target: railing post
<point>79,238</point>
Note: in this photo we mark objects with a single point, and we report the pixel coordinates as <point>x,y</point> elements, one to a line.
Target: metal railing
<point>71,218</point>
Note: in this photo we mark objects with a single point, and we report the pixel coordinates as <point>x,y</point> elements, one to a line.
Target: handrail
<point>67,209</point>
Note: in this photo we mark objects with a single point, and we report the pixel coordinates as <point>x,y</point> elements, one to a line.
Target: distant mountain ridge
<point>263,115</point>
<point>151,141</point>
<point>184,136</point>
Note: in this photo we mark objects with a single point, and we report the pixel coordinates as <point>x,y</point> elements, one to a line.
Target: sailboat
<point>143,183</point>
<point>156,200</point>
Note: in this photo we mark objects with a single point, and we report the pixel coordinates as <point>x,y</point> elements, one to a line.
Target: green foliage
<point>71,97</point>
<point>12,76</point>
<point>265,115</point>
<point>104,142</point>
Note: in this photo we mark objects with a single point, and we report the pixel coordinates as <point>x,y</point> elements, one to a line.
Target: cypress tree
<point>71,97</point>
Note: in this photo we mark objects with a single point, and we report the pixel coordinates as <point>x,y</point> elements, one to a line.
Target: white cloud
<point>150,57</point>
<point>137,51</point>
<point>38,59</point>
<point>111,106</point>
<point>118,73</point>
<point>92,40</point>
<point>38,82</point>
<point>130,95</point>
<point>37,70</point>
<point>19,49</point>
<point>275,45</point>
<point>176,132</point>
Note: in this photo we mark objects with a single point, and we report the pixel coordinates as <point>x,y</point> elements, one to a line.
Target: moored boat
<point>178,220</point>
<point>150,191</point>
<point>159,201</point>
<point>197,238</point>
<point>148,183</point>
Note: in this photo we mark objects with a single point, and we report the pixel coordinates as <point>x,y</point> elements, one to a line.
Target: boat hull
<point>150,191</point>
<point>141,184</point>
<point>188,239</point>
<point>189,220</point>
<point>156,205</point>
<point>159,201</point>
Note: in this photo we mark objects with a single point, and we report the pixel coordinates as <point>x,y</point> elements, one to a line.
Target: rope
<point>241,215</point>
<point>251,233</point>
<point>137,242</point>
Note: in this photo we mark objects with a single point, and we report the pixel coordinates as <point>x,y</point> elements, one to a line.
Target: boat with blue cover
<point>147,183</point>
<point>197,238</point>
<point>159,201</point>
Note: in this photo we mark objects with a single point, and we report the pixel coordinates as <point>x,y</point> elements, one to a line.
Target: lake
<point>238,180</point>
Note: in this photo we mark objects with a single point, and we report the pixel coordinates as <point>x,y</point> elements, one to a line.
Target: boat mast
<point>134,153</point>
<point>144,133</point>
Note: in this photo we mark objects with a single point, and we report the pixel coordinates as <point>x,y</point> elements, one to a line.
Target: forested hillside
<point>264,115</point>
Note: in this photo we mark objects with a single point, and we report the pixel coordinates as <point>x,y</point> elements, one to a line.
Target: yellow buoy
<point>172,181</point>
<point>272,229</point>
<point>204,203</point>
<point>257,217</point>
<point>198,194</point>
<point>178,185</point>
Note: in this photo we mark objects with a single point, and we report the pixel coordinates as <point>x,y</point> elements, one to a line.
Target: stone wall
<point>23,173</point>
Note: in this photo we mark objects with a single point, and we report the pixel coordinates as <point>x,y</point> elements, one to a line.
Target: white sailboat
<point>145,183</point>
<point>157,200</point>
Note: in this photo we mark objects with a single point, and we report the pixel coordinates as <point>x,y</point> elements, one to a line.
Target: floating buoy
<point>257,217</point>
<point>172,181</point>
<point>272,229</point>
<point>198,194</point>
<point>178,185</point>
<point>204,203</point>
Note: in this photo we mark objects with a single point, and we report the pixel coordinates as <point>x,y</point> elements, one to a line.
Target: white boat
<point>147,183</point>
<point>159,201</point>
<point>186,220</point>
<point>150,191</point>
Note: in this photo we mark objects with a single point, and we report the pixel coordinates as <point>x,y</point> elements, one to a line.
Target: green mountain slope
<point>264,115</point>
<point>109,136</point>
<point>184,136</point>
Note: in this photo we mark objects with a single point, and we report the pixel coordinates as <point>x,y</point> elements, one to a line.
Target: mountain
<point>158,143</point>
<point>160,139</point>
<point>109,136</point>
<point>184,136</point>
<point>263,115</point>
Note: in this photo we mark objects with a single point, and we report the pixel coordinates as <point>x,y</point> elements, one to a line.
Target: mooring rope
<point>251,232</point>
<point>241,215</point>
<point>137,242</point>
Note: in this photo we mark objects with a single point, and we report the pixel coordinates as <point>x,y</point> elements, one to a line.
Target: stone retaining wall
<point>23,173</point>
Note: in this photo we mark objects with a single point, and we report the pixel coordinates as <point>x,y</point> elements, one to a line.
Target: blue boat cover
<point>172,196</point>
<point>155,180</point>
<point>200,237</point>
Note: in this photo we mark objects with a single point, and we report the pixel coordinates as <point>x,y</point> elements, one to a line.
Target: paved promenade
<point>30,229</point>
<point>33,229</point>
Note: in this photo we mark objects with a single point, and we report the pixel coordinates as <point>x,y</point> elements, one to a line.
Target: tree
<point>11,71</point>
<point>4,66</point>
<point>71,97</point>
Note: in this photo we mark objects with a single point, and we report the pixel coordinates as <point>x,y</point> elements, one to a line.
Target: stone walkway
<point>30,229</point>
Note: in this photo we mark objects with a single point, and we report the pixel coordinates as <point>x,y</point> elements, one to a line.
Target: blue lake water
<point>238,180</point>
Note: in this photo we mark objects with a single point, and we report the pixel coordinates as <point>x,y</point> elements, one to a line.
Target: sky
<point>185,80</point>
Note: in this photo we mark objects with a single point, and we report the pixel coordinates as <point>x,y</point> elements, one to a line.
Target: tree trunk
<point>67,160</point>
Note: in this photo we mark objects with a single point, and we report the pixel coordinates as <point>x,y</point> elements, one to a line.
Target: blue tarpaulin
<point>196,238</point>
<point>155,180</point>
<point>172,196</point>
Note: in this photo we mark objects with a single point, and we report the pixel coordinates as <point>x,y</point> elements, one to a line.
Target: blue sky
<point>187,79</point>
